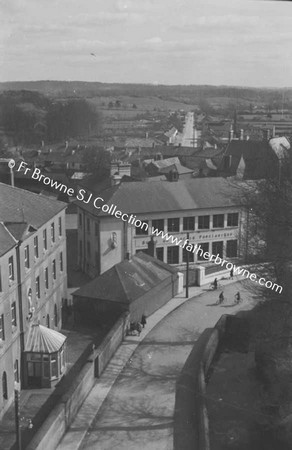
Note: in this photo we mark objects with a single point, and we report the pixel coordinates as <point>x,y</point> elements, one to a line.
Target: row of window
<point>173,225</point>
<point>88,225</point>
<point>217,248</point>
<point>45,242</point>
<point>54,274</point>
<point>13,321</point>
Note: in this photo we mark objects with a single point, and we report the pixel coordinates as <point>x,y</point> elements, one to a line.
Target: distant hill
<point>184,93</point>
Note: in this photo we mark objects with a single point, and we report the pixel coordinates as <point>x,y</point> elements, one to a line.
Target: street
<point>138,411</point>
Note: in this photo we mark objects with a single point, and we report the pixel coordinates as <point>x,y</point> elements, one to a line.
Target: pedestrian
<point>215,284</point>
<point>143,320</point>
<point>231,274</point>
<point>221,298</point>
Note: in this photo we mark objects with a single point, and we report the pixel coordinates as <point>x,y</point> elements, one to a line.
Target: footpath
<point>115,414</point>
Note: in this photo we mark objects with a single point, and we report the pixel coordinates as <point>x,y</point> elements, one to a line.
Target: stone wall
<point>64,412</point>
<point>191,425</point>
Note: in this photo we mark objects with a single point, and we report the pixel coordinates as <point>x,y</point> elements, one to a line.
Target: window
<point>173,224</point>
<point>47,277</point>
<point>16,371</point>
<point>55,315</point>
<point>231,249</point>
<point>218,221</point>
<point>158,224</point>
<point>96,229</point>
<point>80,249</point>
<point>188,223</point>
<point>188,254</point>
<point>173,255</point>
<point>11,268</point>
<point>232,220</point>
<point>61,262</point>
<point>45,239</point>
<point>13,314</point>
<point>204,222</point>
<point>4,386</point>
<point>54,269</point>
<point>80,220</point>
<point>54,366</point>
<point>203,248</point>
<point>53,232</point>
<point>143,230</point>
<point>217,248</point>
<point>160,253</point>
<point>2,330</point>
<point>26,257</point>
<point>37,287</point>
<point>36,246</point>
<point>60,226</point>
<point>88,249</point>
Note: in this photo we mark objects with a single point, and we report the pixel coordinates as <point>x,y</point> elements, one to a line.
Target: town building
<point>206,208</point>
<point>139,285</point>
<point>33,282</point>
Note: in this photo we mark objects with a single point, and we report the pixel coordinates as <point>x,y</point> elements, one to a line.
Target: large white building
<point>206,208</point>
<point>33,282</point>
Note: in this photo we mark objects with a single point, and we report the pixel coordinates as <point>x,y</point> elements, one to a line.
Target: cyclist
<point>237,298</point>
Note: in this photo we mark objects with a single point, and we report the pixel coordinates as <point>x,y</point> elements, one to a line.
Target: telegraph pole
<point>187,271</point>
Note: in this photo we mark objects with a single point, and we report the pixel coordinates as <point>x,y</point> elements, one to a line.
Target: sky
<point>234,42</point>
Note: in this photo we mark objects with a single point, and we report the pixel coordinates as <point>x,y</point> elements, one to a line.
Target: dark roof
<point>142,197</point>
<point>23,212</point>
<point>128,280</point>
<point>255,154</point>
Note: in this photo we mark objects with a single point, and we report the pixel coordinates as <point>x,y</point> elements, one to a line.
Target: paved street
<point>188,131</point>
<point>138,411</point>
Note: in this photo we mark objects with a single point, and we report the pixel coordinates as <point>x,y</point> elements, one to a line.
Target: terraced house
<point>33,282</point>
<point>206,208</point>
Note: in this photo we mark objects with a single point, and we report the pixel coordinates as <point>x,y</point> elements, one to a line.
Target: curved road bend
<point>138,411</point>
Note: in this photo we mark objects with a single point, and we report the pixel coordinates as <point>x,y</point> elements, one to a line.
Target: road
<point>138,411</point>
<point>188,131</point>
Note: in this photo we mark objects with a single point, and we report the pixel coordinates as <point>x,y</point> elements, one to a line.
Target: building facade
<point>203,209</point>
<point>33,277</point>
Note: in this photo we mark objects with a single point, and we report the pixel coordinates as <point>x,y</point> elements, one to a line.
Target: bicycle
<point>212,286</point>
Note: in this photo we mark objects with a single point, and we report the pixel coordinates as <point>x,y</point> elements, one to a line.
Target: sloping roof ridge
<point>3,224</point>
<point>116,267</point>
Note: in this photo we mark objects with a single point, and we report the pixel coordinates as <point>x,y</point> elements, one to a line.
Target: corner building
<point>206,208</point>
<point>33,279</point>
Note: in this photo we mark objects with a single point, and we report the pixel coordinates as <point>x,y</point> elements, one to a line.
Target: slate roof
<point>256,155</point>
<point>22,212</point>
<point>142,197</point>
<point>128,280</point>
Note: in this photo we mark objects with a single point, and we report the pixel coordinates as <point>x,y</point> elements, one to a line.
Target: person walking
<point>215,284</point>
<point>231,274</point>
<point>221,298</point>
<point>143,320</point>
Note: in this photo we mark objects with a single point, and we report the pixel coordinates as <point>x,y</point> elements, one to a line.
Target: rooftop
<point>128,280</point>
<point>189,194</point>
<point>22,212</point>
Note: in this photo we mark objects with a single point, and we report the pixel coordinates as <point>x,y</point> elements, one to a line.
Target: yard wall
<point>191,425</point>
<point>69,396</point>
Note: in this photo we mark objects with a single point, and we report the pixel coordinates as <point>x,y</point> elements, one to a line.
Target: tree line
<point>30,117</point>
